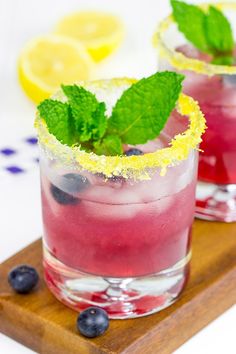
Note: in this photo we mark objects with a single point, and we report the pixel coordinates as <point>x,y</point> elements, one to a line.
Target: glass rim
<point>136,167</point>
<point>179,60</point>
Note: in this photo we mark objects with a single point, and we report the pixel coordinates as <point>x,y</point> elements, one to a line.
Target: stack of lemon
<point>69,53</point>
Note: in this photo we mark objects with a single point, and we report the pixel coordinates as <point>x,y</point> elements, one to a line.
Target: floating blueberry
<point>75,183</point>
<point>63,197</point>
<point>133,151</point>
<point>92,322</point>
<point>23,279</point>
<point>229,80</point>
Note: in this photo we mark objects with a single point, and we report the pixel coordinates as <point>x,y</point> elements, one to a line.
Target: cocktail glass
<point>117,229</point>
<point>214,87</point>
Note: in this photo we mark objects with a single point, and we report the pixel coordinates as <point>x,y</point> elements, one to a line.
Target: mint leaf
<point>110,145</point>
<point>89,114</point>
<point>59,120</point>
<point>99,120</point>
<point>191,22</point>
<point>218,31</point>
<point>142,111</point>
<point>208,31</point>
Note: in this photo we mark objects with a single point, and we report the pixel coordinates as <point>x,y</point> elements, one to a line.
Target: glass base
<point>216,202</point>
<point>120,297</point>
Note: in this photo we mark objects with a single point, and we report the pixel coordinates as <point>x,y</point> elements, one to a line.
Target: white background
<point>20,220</point>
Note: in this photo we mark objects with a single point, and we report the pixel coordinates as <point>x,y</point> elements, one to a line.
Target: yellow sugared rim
<point>179,60</point>
<point>136,167</point>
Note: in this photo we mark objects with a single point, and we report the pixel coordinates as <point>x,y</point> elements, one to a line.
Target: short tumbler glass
<point>214,87</point>
<point>117,230</point>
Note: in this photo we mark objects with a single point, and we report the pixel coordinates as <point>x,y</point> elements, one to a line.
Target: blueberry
<point>75,183</point>
<point>133,151</point>
<point>229,80</point>
<point>62,197</point>
<point>92,322</point>
<point>23,279</point>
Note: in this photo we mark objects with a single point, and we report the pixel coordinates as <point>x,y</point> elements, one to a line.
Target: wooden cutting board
<point>42,323</point>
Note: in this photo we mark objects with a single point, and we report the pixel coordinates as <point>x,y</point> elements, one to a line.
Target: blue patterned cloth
<point>20,157</point>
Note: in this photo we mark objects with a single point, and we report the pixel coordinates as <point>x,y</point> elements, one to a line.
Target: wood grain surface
<point>42,323</point>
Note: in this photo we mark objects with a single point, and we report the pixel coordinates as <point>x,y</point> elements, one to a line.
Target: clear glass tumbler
<point>214,87</point>
<point>117,230</point>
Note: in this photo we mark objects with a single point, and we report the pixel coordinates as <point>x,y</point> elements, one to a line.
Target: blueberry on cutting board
<point>23,279</point>
<point>92,322</point>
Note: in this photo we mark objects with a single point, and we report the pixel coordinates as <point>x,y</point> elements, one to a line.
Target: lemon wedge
<point>100,32</point>
<point>49,61</point>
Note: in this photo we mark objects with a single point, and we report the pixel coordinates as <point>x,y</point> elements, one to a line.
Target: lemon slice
<point>100,32</point>
<point>47,62</point>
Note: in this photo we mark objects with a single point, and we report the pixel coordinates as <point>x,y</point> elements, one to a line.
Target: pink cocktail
<point>120,242</point>
<point>214,87</point>
<point>112,234</point>
<point>217,98</point>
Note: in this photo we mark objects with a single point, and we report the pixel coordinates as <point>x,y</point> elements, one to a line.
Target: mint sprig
<point>138,116</point>
<point>89,114</point>
<point>209,31</point>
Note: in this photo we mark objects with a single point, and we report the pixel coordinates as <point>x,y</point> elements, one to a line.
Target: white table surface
<point>20,221</point>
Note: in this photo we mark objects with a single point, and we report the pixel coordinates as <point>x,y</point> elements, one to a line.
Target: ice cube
<point>113,211</point>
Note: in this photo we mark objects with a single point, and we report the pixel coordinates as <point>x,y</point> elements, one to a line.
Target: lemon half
<point>49,61</point>
<point>100,32</point>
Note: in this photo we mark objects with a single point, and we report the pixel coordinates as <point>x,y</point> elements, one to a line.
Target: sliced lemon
<point>100,32</point>
<point>47,62</point>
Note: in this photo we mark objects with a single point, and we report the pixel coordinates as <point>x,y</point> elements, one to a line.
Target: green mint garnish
<point>110,145</point>
<point>209,31</point>
<point>190,20</point>
<point>59,120</point>
<point>142,111</point>
<point>223,60</point>
<point>218,31</point>
<point>89,114</point>
<point>139,115</point>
